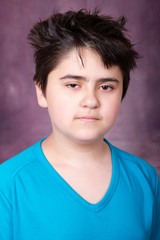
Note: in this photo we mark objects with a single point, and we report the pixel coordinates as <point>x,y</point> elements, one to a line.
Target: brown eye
<point>106,88</point>
<point>72,85</point>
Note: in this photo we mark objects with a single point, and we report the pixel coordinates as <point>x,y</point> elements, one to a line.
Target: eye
<point>72,85</point>
<point>106,88</point>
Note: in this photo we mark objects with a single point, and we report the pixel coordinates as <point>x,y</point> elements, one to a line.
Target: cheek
<point>59,108</point>
<point>112,107</point>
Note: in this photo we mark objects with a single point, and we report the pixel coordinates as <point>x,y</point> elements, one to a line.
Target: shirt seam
<point>18,170</point>
<point>6,199</point>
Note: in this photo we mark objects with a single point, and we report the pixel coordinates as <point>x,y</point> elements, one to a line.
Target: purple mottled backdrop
<point>22,122</point>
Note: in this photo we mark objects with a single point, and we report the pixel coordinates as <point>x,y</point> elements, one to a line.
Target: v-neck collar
<point>90,206</point>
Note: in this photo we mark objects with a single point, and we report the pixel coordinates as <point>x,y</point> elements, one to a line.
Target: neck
<point>76,154</point>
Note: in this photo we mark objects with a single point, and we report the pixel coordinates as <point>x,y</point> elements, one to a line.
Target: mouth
<point>88,118</point>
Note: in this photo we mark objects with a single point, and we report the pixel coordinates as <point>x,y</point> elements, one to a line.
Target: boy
<point>75,184</point>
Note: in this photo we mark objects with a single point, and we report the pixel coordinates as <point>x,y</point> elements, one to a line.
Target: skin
<point>83,101</point>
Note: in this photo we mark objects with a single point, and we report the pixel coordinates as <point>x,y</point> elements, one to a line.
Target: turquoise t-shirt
<point>37,203</point>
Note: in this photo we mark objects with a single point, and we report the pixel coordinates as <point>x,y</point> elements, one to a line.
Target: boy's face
<point>83,99</point>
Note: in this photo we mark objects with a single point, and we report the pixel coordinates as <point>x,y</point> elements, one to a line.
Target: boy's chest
<point>90,184</point>
<point>50,211</point>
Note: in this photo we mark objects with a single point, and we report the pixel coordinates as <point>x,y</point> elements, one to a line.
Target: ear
<point>42,101</point>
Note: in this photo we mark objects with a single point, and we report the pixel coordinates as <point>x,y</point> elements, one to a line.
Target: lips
<point>88,118</point>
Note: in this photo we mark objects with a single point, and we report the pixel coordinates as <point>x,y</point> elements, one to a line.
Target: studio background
<point>23,122</point>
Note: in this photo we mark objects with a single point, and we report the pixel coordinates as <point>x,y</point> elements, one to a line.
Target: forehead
<point>85,61</point>
<point>81,56</point>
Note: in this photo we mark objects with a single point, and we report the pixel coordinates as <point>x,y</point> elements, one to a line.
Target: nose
<point>90,100</point>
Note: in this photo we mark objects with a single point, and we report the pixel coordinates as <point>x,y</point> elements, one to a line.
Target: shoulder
<point>137,169</point>
<point>19,161</point>
<point>136,162</point>
<point>12,167</point>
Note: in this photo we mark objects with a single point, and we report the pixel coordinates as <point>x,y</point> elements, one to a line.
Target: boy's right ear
<point>42,101</point>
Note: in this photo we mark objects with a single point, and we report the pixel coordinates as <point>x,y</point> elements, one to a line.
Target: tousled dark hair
<point>62,32</point>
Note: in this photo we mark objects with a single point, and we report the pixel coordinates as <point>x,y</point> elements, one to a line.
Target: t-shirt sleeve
<point>5,218</point>
<point>156,213</point>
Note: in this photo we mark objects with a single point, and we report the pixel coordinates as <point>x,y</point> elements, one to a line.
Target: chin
<point>88,138</point>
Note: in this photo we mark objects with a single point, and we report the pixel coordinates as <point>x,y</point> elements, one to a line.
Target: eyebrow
<point>81,78</point>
